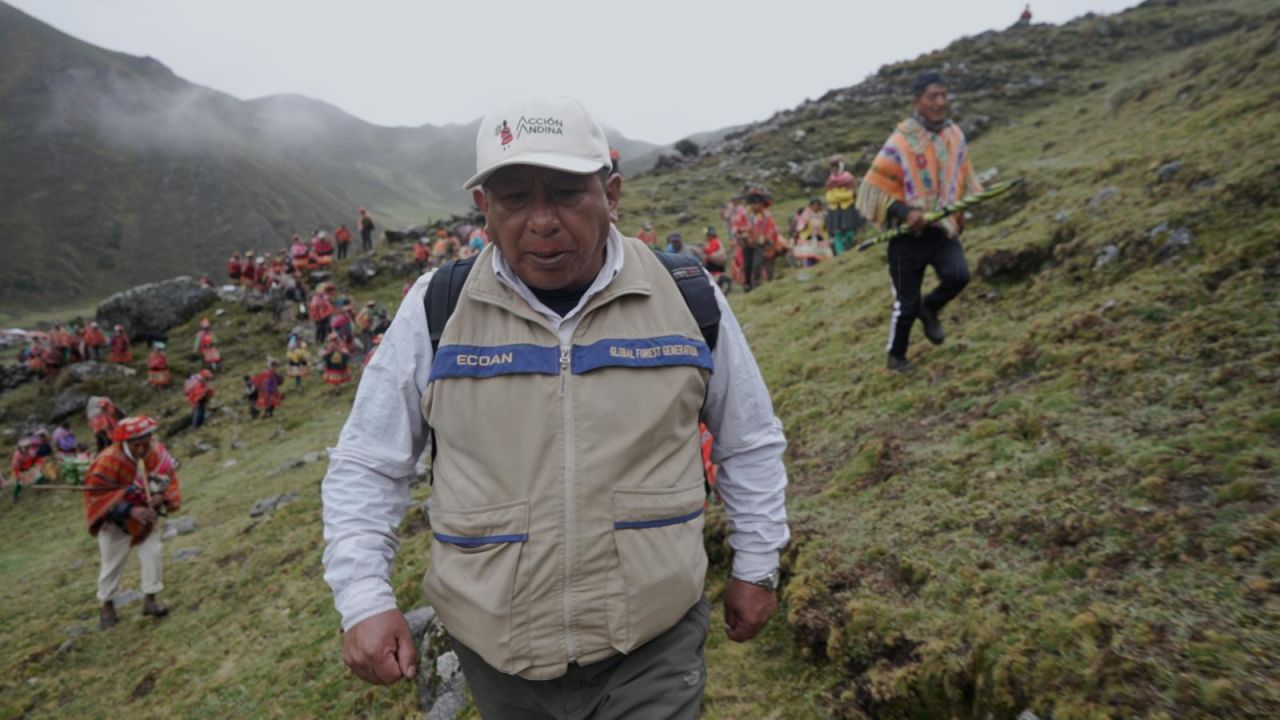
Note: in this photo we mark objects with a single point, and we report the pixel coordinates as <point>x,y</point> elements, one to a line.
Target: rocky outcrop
<point>148,311</point>
<point>442,690</point>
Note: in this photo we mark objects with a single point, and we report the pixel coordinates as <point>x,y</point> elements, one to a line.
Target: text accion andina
<point>539,126</point>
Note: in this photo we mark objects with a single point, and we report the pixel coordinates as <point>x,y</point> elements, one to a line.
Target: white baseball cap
<point>554,133</point>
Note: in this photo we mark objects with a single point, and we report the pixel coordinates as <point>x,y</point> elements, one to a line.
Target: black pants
<point>322,330</point>
<point>752,266</point>
<point>366,240</point>
<point>908,258</point>
<point>342,249</point>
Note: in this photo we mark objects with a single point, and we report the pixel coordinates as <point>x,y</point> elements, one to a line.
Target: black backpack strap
<point>441,298</point>
<point>697,291</point>
<point>439,301</point>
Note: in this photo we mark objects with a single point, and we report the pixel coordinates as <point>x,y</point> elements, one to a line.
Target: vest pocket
<point>475,580</point>
<point>661,561</point>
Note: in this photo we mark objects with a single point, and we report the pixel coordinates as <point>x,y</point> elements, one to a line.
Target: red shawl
<point>113,477</point>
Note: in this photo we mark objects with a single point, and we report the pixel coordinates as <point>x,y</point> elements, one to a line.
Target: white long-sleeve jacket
<point>366,490</point>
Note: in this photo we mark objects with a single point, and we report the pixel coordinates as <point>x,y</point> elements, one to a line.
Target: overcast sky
<point>656,71</point>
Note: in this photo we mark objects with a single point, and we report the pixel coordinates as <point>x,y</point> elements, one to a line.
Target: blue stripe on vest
<point>482,361</point>
<point>463,541</point>
<point>663,522</point>
<point>641,353</point>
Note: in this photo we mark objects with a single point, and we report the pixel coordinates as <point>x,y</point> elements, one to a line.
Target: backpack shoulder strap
<point>441,298</point>
<point>697,291</point>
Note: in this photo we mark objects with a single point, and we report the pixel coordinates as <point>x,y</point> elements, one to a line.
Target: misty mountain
<point>115,171</point>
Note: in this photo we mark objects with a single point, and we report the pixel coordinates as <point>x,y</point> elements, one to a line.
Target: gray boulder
<point>68,403</point>
<point>174,527</point>
<point>362,271</point>
<point>1179,240</point>
<point>150,310</point>
<point>1103,197</point>
<point>1168,171</point>
<point>442,690</point>
<point>90,370</point>
<point>271,504</point>
<point>1107,254</point>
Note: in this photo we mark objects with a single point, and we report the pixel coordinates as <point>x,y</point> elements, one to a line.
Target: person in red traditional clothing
<point>337,363</point>
<point>248,270</point>
<point>322,248</point>
<point>320,309</point>
<point>103,416</point>
<point>756,231</point>
<point>126,488</point>
<point>25,465</point>
<point>300,253</point>
<point>119,351</point>
<point>233,268</point>
<point>268,383</point>
<point>199,391</point>
<point>158,367</point>
<point>93,340</point>
<point>422,254</point>
<point>342,236</point>
<point>206,346</point>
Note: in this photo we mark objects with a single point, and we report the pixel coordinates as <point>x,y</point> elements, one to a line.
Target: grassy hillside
<point>1069,507</point>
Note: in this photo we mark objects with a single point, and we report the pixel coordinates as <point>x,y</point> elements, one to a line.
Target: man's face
<point>138,447</point>
<point>932,103</point>
<point>550,226</point>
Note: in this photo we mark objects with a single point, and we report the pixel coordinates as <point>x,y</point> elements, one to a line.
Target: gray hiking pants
<point>662,679</point>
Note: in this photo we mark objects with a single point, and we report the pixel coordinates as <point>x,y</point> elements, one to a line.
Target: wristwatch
<point>768,582</point>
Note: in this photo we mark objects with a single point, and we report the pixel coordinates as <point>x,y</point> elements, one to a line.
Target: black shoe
<point>899,364</point>
<point>932,326</point>
<point>107,616</point>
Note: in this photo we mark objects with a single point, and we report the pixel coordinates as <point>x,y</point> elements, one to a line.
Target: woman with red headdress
<point>206,346</point>
<point>158,366</point>
<point>337,362</point>
<point>119,351</point>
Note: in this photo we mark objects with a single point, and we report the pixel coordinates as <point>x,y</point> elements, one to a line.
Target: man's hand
<point>379,649</point>
<point>915,220</point>
<point>143,514</point>
<point>747,609</point>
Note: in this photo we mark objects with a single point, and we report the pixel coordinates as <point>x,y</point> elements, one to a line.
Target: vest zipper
<point>569,531</point>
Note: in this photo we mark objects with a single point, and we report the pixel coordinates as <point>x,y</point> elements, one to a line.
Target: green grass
<point>1069,507</point>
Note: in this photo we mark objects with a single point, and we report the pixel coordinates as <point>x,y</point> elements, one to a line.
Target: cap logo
<point>503,132</point>
<point>539,126</point>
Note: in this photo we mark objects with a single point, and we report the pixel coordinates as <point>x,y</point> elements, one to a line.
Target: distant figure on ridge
<point>923,166</point>
<point>1025,18</point>
<point>126,487</point>
<point>206,346</point>
<point>233,268</point>
<point>366,231</point>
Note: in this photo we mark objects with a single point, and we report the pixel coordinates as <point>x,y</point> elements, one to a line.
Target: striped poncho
<point>921,169</point>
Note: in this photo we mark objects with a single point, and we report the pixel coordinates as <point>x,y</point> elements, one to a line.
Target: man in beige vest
<point>567,509</point>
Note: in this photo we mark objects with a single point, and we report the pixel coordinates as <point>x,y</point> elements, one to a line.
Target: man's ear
<point>480,199</point>
<point>613,193</point>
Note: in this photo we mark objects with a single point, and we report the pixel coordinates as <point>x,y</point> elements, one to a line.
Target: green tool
<point>936,215</point>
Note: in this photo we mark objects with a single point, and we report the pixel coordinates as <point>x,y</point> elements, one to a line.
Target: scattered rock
<point>151,309</point>
<point>803,276</point>
<point>238,445</point>
<point>1097,84</point>
<point>1028,715</point>
<point>90,370</point>
<point>230,464</point>
<point>1204,184</point>
<point>174,527</point>
<point>1107,254</point>
<point>311,457</point>
<point>1179,240</point>
<point>1168,171</point>
<point>362,271</point>
<point>286,467</point>
<point>441,686</point>
<point>1010,265</point>
<point>76,564</point>
<point>988,175</point>
<point>201,448</point>
<point>1062,216</point>
<point>76,630</point>
<point>128,596</point>
<point>271,504</point>
<point>66,647</point>
<point>68,403</point>
<point>419,618</point>
<point>186,553</point>
<point>1103,196</point>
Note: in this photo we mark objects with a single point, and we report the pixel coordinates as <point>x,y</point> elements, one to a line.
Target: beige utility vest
<point>567,507</point>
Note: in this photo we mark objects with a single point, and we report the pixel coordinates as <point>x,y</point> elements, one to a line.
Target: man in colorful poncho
<point>127,485</point>
<point>924,166</point>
